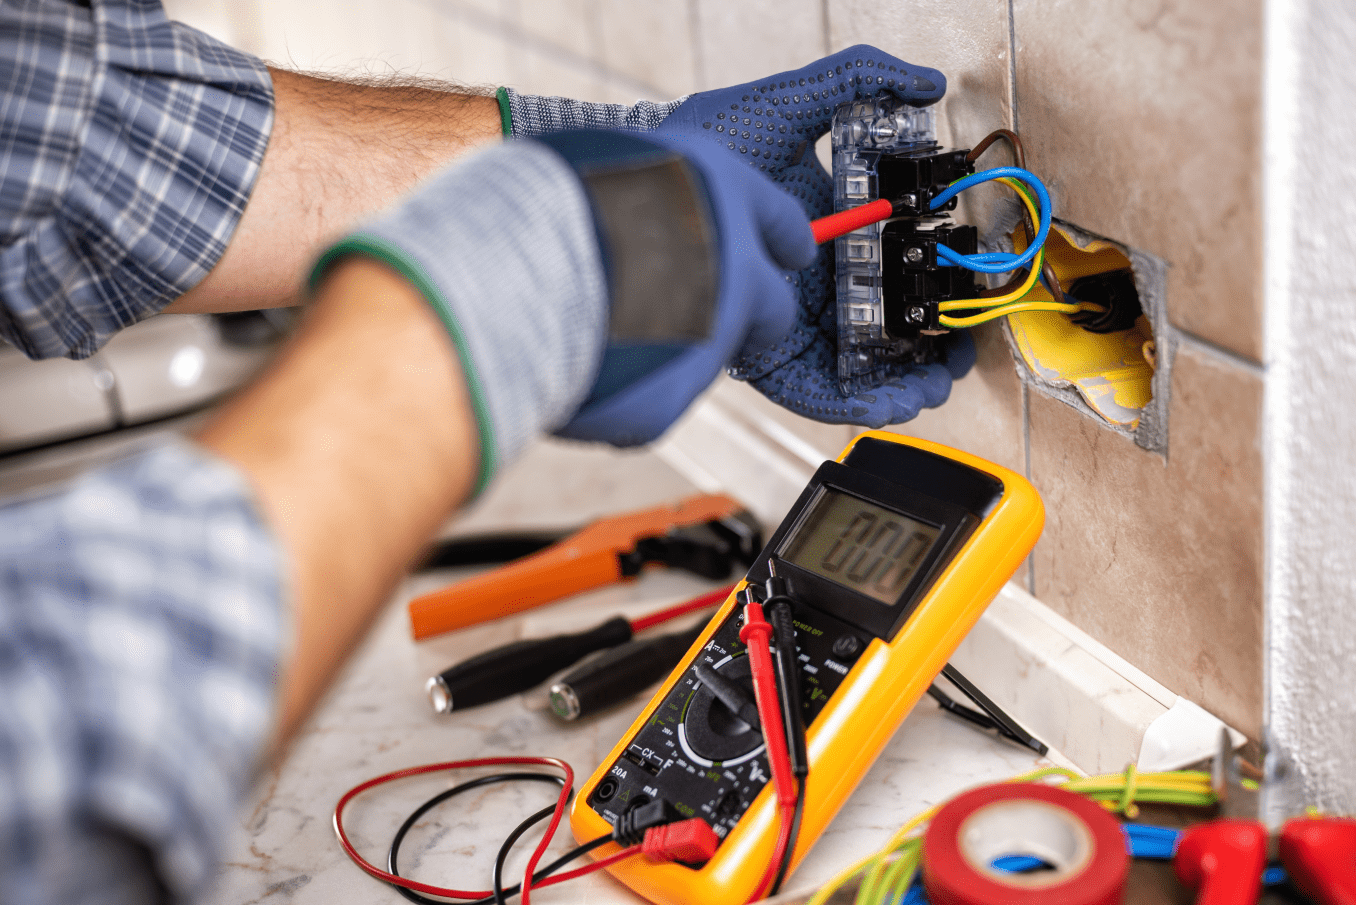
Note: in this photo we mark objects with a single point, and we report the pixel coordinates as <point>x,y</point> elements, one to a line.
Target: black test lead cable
<point>497,878</point>
<point>492,899</point>
<point>394,853</point>
<point>779,604</point>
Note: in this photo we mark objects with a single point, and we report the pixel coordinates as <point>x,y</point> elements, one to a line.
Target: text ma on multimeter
<point>890,554</point>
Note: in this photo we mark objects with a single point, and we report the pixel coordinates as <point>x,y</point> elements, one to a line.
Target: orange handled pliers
<point>707,534</point>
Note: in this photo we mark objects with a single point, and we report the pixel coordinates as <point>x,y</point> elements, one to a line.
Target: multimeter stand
<point>885,562</point>
<point>993,717</point>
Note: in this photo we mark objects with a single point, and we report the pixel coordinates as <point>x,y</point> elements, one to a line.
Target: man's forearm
<point>338,153</point>
<point>356,456</point>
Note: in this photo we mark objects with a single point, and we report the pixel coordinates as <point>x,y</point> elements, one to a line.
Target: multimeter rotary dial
<point>710,731</point>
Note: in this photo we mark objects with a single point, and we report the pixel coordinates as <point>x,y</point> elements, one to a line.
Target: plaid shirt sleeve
<point>128,148</point>
<point>141,627</point>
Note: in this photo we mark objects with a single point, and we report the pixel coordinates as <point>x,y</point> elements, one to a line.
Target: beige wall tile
<point>745,41</point>
<point>651,43</point>
<point>1145,120</point>
<point>572,25</point>
<point>984,414</point>
<point>403,37</point>
<point>1162,562</point>
<point>968,41</point>
<point>536,72</point>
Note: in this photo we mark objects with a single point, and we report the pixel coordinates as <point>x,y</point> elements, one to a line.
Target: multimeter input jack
<point>607,790</point>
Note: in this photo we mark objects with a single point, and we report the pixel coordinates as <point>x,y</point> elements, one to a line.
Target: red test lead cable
<point>757,634</point>
<point>659,617</point>
<point>426,888</point>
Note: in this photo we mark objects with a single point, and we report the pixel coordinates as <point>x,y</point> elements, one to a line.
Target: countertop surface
<point>377,719</point>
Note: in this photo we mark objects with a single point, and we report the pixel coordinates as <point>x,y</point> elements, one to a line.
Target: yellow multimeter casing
<point>891,552</point>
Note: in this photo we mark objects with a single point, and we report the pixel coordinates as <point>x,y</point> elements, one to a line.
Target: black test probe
<point>522,665</point>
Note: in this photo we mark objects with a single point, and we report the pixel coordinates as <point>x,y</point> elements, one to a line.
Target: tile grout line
<point>515,36</point>
<point>1026,387</point>
<point>1026,453</point>
<point>1218,352</point>
<point>1012,63</point>
<point>825,26</point>
<point>694,24</point>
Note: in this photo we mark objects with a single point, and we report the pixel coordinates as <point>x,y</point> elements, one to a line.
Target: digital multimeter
<point>890,555</point>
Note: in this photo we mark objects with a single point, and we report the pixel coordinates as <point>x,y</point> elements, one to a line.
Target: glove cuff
<point>528,115</point>
<point>502,247</point>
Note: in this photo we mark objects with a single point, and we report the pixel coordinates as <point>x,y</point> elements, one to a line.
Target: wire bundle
<point>1036,200</point>
<point>888,875</point>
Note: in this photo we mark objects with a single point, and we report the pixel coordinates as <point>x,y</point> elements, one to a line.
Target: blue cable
<point>996,262</point>
<point>1143,840</point>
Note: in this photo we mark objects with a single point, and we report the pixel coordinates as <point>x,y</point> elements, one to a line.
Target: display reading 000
<point>860,545</point>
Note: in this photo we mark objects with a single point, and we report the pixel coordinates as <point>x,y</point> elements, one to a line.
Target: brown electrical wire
<point>1028,228</point>
<point>1018,152</point>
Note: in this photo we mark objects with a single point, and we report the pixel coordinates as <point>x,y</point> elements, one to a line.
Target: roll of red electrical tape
<point>1080,842</point>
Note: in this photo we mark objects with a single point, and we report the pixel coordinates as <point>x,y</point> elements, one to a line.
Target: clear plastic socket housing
<point>862,132</point>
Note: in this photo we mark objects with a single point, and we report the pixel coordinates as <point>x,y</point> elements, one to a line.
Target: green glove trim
<point>394,257</point>
<point>505,116</point>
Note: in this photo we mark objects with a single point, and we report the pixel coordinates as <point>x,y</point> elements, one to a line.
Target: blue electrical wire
<point>996,262</point>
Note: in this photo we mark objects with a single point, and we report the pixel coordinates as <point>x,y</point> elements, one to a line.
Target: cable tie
<point>1127,803</point>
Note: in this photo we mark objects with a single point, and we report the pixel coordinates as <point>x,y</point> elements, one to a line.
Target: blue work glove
<point>773,124</point>
<point>697,247</point>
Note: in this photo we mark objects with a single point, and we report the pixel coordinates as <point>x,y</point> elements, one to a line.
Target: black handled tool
<point>519,666</point>
<point>616,675</point>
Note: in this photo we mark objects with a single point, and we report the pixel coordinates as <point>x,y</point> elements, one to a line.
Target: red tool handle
<point>844,222</point>
<point>1320,855</point>
<point>1223,859</point>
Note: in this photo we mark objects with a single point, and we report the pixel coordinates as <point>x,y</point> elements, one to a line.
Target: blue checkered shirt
<point>128,147</point>
<point>140,633</point>
<point>141,616</point>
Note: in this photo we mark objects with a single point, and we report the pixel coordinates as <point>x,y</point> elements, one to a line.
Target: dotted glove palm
<point>773,124</point>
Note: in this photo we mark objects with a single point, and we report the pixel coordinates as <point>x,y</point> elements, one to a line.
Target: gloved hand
<point>594,286</point>
<point>682,306</point>
<point>774,123</point>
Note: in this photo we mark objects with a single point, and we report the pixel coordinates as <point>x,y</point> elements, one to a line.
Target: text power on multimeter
<point>890,555</point>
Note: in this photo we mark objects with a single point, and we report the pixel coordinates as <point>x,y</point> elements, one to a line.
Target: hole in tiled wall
<point>1112,366</point>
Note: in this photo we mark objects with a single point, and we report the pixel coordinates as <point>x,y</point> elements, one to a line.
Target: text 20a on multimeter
<point>890,555</point>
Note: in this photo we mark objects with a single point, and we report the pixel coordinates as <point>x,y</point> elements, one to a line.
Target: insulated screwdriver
<point>516,667</point>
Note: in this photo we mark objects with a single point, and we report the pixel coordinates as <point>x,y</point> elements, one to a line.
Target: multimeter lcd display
<point>862,546</point>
